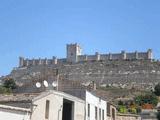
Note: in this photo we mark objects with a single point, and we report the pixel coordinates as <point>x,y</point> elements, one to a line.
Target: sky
<point>42,28</point>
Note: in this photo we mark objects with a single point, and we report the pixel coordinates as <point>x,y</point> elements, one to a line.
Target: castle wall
<point>91,57</point>
<point>143,55</point>
<point>131,56</point>
<point>82,58</point>
<point>104,57</point>
<point>32,62</point>
<point>61,61</point>
<point>118,56</point>
<point>74,56</point>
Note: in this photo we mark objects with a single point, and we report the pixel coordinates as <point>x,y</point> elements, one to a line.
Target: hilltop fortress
<point>125,70</point>
<point>74,55</point>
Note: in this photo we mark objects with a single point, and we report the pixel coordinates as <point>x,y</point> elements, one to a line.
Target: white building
<point>61,106</point>
<point>49,105</point>
<point>14,113</point>
<point>95,107</point>
<point>55,105</point>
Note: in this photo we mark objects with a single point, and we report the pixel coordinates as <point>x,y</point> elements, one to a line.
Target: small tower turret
<point>21,61</point>
<point>149,54</point>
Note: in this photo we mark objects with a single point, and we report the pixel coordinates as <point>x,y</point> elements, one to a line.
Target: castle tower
<point>123,54</point>
<point>149,54</point>
<point>73,51</point>
<point>136,55</point>
<point>21,61</point>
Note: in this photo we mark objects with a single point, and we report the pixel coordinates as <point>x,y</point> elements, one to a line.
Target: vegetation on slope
<point>8,86</point>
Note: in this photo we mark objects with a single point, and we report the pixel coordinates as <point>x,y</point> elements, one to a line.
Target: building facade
<point>95,107</point>
<point>111,112</point>
<point>55,105</point>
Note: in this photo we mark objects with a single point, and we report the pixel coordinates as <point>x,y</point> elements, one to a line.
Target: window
<point>113,113</point>
<point>99,114</point>
<point>88,110</point>
<point>47,109</point>
<point>102,114</point>
<point>96,113</point>
<point>71,54</point>
<point>108,109</point>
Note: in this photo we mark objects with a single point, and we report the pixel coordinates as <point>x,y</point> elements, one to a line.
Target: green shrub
<point>10,84</point>
<point>133,110</point>
<point>148,98</point>
<point>122,109</point>
<point>4,90</point>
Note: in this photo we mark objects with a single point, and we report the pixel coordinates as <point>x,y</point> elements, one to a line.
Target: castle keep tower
<point>73,51</point>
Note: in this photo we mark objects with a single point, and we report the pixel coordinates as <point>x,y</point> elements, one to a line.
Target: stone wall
<point>117,56</point>
<point>34,62</point>
<point>74,55</point>
<point>128,117</point>
<point>84,58</point>
<point>138,74</point>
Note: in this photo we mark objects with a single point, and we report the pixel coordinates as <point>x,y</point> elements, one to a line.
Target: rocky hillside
<point>123,74</point>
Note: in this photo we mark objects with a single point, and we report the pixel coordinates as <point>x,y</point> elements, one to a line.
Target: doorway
<point>68,110</point>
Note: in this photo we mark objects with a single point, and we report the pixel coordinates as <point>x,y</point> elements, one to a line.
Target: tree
<point>139,99</point>
<point>157,89</point>
<point>146,99</point>
<point>10,83</point>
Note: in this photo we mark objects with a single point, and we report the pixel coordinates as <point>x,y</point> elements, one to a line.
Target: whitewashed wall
<point>13,115</point>
<point>94,102</point>
<point>56,107</point>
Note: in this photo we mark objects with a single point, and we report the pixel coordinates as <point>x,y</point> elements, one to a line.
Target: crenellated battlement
<point>32,62</point>
<point>117,56</point>
<point>74,55</point>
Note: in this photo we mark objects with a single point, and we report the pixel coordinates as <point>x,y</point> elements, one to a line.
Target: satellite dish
<point>54,84</point>
<point>45,83</point>
<point>38,84</point>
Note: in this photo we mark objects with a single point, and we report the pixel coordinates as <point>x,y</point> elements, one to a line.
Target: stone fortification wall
<point>117,56</point>
<point>83,58</point>
<point>34,62</point>
<point>74,55</point>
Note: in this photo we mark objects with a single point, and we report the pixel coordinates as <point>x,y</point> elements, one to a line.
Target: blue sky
<point>42,28</point>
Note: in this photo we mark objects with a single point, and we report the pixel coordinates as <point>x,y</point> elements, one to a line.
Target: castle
<point>74,55</point>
